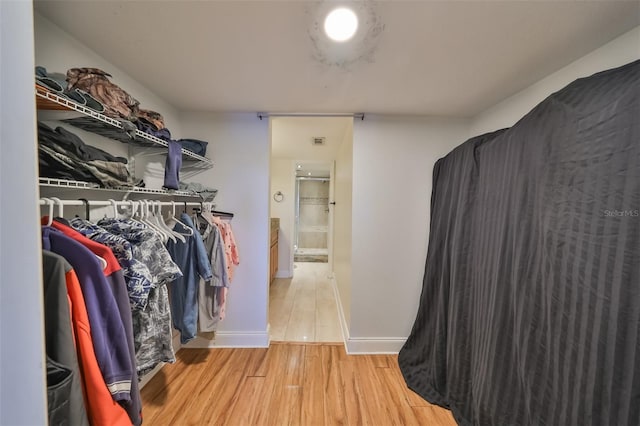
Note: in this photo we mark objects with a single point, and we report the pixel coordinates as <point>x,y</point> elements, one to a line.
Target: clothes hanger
<point>115,208</point>
<point>50,204</point>
<point>163,224</point>
<point>134,210</point>
<point>137,213</point>
<point>60,205</point>
<point>178,234</point>
<point>172,218</point>
<point>147,221</point>
<point>86,208</point>
<point>156,216</point>
<point>131,215</point>
<point>206,214</point>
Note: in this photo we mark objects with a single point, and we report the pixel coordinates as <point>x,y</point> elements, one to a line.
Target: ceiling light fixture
<point>341,24</point>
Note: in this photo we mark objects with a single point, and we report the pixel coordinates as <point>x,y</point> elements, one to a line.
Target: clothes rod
<point>262,115</point>
<point>53,202</point>
<point>102,203</point>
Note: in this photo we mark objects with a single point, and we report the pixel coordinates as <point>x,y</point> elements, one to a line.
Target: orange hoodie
<point>102,410</point>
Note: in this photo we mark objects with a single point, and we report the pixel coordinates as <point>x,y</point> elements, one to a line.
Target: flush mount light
<point>341,24</point>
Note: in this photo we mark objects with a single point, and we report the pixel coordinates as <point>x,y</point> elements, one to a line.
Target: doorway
<point>302,298</point>
<point>312,219</point>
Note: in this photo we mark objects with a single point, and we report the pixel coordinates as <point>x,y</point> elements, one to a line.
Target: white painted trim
<point>331,218</point>
<point>344,327</point>
<point>175,341</point>
<point>385,345</point>
<point>232,339</point>
<point>362,346</point>
<point>284,274</point>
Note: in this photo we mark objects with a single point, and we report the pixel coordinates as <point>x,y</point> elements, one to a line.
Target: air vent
<point>318,140</point>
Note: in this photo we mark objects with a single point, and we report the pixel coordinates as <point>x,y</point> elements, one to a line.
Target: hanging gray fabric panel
<point>530,307</point>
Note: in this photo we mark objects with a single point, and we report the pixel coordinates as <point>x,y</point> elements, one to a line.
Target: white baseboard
<point>362,346</point>
<point>175,341</point>
<point>230,339</point>
<point>343,320</point>
<point>284,274</point>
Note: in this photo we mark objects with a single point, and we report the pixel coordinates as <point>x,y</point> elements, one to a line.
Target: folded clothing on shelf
<point>194,145</point>
<point>73,144</point>
<point>150,129</point>
<point>206,193</point>
<point>57,83</point>
<point>117,102</point>
<point>64,155</point>
<point>153,118</point>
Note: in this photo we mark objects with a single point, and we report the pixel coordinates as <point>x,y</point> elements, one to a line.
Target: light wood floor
<point>304,309</point>
<point>286,384</point>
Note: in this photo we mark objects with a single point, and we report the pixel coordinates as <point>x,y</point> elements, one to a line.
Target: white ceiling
<point>439,58</point>
<point>291,138</point>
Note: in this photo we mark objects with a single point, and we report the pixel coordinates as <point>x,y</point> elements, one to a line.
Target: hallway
<point>304,309</point>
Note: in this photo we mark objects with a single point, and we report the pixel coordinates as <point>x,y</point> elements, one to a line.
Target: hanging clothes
<point>59,388</point>
<point>100,405</point>
<point>172,165</point>
<point>191,257</point>
<point>136,273</point>
<point>151,325</point>
<point>210,292</point>
<point>115,279</point>
<point>64,393</point>
<point>107,332</point>
<point>230,246</point>
<point>232,256</point>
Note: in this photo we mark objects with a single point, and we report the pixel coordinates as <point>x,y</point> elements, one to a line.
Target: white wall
<point>283,180</point>
<point>620,51</point>
<point>342,215</point>
<point>22,371</point>
<point>393,160</point>
<point>239,145</point>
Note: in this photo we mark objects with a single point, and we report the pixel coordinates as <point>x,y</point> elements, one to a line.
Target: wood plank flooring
<point>287,384</point>
<point>304,308</point>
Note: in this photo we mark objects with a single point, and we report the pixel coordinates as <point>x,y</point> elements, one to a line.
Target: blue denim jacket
<point>191,257</point>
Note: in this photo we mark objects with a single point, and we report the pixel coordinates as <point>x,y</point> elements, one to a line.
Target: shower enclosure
<point>312,219</point>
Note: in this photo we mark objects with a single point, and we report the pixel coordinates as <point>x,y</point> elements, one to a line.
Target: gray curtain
<point>530,308</point>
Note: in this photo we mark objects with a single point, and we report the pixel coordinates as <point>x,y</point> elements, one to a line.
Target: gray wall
<point>22,371</point>
<point>393,160</point>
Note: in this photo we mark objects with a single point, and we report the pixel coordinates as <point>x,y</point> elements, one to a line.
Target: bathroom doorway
<point>303,303</point>
<point>312,218</point>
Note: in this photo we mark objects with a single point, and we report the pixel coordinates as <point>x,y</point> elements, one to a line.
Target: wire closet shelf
<point>108,127</point>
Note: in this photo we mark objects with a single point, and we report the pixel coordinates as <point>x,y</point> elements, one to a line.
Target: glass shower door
<point>312,219</point>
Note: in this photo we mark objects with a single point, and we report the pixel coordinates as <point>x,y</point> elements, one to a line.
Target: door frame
<point>330,165</point>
